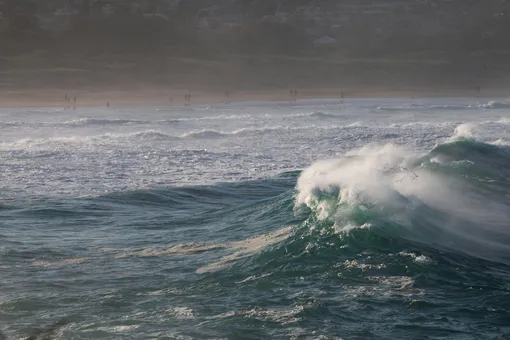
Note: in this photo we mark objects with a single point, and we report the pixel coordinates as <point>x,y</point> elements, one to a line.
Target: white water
<point>92,151</point>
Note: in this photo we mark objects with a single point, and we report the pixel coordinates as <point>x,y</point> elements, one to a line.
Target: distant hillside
<point>206,41</point>
<point>357,27</point>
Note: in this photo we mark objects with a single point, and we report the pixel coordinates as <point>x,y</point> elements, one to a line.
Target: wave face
<point>450,199</point>
<point>287,225</point>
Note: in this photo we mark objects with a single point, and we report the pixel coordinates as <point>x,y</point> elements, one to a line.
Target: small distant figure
<point>108,105</point>
<point>68,101</point>
<point>478,89</point>
<point>227,95</point>
<point>294,94</point>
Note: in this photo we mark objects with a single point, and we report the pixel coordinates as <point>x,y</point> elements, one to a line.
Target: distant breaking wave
<point>104,121</point>
<point>203,134</point>
<point>496,105</point>
<point>54,142</point>
<point>414,107</point>
<point>320,114</point>
<point>97,121</point>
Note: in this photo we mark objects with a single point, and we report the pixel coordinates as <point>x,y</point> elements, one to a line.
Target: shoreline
<point>54,98</point>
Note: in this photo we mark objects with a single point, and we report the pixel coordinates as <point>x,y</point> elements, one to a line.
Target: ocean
<point>314,219</point>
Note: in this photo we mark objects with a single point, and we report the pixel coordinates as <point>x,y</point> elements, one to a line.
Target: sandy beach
<point>150,96</point>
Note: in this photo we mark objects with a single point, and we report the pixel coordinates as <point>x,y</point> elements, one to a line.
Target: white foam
<point>238,249</point>
<point>363,266</point>
<point>386,286</point>
<point>464,131</point>
<point>494,104</point>
<point>362,172</point>
<point>283,316</point>
<point>58,263</point>
<point>181,313</point>
<point>247,248</point>
<point>124,329</point>
<point>61,153</point>
<point>385,177</point>
<point>421,259</point>
<point>204,133</point>
<point>183,249</point>
<point>500,142</point>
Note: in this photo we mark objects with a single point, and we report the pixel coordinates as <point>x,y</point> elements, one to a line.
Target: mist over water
<point>319,219</point>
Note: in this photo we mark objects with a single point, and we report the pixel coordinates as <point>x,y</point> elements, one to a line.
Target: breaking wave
<point>497,105</point>
<point>452,199</point>
<point>97,121</point>
<point>380,226</point>
<point>319,114</point>
<point>415,107</point>
<point>203,134</point>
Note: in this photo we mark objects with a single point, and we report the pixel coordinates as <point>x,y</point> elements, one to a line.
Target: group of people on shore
<point>187,99</point>
<point>70,102</point>
<point>294,94</point>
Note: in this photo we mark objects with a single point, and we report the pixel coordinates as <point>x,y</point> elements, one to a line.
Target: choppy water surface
<point>369,219</point>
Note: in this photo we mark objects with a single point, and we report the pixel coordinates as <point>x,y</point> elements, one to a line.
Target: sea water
<point>318,219</point>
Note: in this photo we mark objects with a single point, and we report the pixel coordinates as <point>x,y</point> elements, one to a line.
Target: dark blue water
<point>252,260</point>
<point>363,219</point>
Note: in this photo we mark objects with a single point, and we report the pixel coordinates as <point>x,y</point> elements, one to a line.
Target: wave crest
<point>203,134</point>
<point>493,104</point>
<point>99,121</point>
<point>395,191</point>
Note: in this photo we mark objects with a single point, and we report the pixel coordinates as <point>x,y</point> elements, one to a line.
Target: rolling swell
<point>222,194</point>
<point>373,236</point>
<point>453,199</point>
<point>376,234</point>
<point>381,230</point>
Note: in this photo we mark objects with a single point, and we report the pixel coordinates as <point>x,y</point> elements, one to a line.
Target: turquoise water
<point>310,220</point>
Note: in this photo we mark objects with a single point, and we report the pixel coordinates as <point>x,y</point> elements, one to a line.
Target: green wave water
<point>380,244</point>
